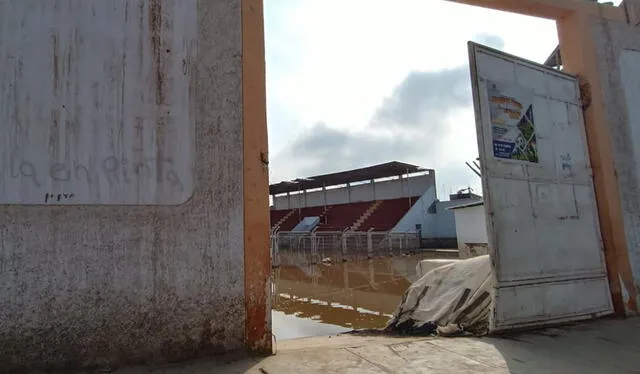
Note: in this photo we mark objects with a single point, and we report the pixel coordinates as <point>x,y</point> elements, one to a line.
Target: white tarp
<point>448,300</point>
<point>426,266</point>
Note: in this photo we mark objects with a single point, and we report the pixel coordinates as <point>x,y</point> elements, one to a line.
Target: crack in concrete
<point>379,366</point>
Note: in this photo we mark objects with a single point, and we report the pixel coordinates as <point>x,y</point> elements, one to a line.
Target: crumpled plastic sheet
<point>450,300</point>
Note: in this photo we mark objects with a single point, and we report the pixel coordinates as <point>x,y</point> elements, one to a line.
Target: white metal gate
<point>542,222</point>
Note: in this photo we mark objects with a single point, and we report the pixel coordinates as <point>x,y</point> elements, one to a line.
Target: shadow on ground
<point>605,346</point>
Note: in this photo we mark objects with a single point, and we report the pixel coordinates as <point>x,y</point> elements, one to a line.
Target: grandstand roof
<point>390,169</point>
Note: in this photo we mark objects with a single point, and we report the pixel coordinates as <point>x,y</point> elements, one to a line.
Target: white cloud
<point>339,62</point>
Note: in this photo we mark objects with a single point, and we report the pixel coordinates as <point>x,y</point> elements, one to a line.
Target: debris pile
<point>450,300</point>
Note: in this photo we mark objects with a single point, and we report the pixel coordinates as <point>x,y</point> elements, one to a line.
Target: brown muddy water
<point>326,299</point>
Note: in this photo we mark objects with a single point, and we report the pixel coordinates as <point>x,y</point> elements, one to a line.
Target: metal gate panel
<point>542,221</point>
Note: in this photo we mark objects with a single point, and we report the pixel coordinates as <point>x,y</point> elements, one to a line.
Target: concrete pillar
<point>324,193</point>
<point>343,241</point>
<point>345,275</point>
<point>403,187</point>
<point>373,189</point>
<point>580,53</point>
<point>306,203</point>
<point>372,274</point>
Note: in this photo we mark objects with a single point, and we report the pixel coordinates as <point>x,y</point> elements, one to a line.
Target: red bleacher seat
<point>343,216</point>
<point>388,214</point>
<point>277,215</point>
<point>299,214</point>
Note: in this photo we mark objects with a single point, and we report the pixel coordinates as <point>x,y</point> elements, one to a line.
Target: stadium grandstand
<point>380,208</point>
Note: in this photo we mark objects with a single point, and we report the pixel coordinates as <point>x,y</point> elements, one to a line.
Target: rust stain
<point>161,124</point>
<point>54,144</point>
<point>56,64</point>
<point>141,39</point>
<point>585,92</point>
<point>155,27</point>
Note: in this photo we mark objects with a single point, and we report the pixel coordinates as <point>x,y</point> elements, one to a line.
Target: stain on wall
<point>97,106</point>
<point>87,285</point>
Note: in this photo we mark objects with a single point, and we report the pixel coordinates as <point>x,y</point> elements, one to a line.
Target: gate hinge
<point>585,93</point>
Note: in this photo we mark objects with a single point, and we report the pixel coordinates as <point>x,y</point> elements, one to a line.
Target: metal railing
<point>337,246</point>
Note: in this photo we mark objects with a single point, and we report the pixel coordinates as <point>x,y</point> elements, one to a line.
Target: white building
<point>471,229</point>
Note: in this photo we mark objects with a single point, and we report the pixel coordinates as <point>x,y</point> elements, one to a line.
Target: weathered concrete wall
<point>618,55</point>
<point>84,285</point>
<point>415,185</point>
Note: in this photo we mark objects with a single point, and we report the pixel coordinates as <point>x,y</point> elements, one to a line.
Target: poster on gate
<point>513,127</point>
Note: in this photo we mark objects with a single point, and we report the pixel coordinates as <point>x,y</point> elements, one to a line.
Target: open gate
<point>542,219</point>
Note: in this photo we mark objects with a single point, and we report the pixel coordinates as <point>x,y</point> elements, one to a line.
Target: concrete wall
<point>445,223</point>
<point>471,226</point>
<point>383,190</point>
<point>438,224</point>
<point>94,284</point>
<point>419,215</point>
<point>445,219</point>
<point>618,58</point>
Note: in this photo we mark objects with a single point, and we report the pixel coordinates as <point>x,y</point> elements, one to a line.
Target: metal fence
<point>336,246</point>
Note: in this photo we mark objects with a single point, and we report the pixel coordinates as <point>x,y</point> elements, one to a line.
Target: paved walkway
<point>607,346</point>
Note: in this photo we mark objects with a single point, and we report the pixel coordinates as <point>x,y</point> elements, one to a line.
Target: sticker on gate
<point>513,127</point>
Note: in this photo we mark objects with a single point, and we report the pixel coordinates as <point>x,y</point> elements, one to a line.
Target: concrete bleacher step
<point>284,218</point>
<point>365,215</point>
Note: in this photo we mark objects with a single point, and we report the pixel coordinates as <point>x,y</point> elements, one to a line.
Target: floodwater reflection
<point>325,299</point>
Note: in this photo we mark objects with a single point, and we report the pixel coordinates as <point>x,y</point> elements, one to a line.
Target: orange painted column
<point>257,257</point>
<point>578,50</point>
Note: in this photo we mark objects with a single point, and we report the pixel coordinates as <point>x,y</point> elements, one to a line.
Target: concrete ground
<point>606,346</point>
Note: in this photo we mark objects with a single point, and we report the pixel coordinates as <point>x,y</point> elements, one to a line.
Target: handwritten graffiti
<point>116,171</point>
<point>566,163</point>
<point>52,197</point>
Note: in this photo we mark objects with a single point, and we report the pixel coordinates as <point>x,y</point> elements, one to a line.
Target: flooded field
<point>325,299</point>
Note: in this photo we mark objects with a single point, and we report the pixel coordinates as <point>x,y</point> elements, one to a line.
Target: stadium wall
<point>419,214</point>
<point>384,190</point>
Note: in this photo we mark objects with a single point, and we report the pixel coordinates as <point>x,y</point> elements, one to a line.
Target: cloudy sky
<point>351,83</point>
